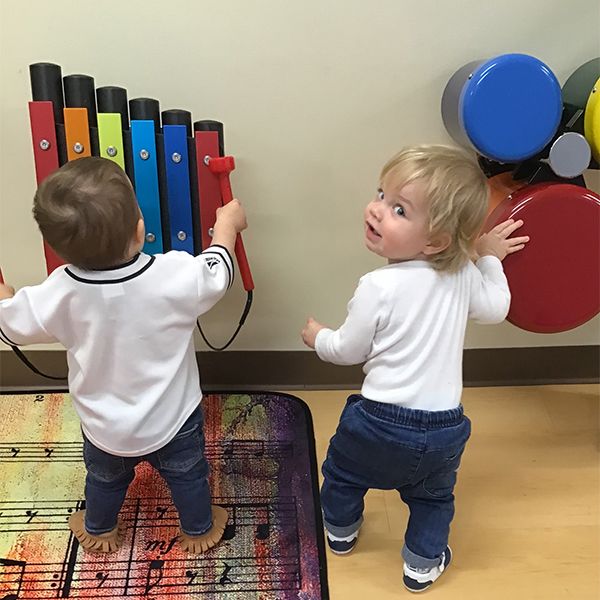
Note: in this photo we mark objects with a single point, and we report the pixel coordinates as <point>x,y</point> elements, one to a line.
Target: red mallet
<point>221,167</point>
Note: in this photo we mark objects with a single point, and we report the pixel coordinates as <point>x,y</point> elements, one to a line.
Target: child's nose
<point>374,210</point>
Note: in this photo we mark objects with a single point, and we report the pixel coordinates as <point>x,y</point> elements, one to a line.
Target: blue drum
<point>507,108</point>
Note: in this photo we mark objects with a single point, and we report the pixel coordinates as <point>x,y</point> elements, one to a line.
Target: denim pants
<point>384,446</point>
<point>182,465</point>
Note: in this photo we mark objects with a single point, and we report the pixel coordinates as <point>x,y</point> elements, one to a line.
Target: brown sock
<point>196,544</point>
<point>105,542</point>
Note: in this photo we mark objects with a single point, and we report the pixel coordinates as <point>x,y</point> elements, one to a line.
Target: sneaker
<point>418,580</point>
<point>339,545</point>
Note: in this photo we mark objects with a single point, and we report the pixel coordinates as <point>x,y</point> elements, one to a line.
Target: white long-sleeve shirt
<point>407,323</point>
<point>128,332</point>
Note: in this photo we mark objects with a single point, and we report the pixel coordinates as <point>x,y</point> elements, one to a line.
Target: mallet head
<point>220,164</point>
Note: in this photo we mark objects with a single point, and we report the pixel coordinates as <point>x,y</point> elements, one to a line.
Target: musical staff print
<point>72,451</point>
<point>269,550</point>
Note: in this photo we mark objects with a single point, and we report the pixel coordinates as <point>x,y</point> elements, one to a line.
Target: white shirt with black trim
<point>128,332</point>
<point>407,323</point>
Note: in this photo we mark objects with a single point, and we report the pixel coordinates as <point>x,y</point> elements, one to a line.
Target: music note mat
<point>263,470</point>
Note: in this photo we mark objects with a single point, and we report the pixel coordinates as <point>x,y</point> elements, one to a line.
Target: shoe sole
<point>338,553</point>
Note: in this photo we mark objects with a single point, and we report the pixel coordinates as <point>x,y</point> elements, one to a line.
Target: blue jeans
<point>387,447</point>
<point>182,465</point>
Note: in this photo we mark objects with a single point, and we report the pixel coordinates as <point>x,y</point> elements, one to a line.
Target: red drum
<point>555,279</point>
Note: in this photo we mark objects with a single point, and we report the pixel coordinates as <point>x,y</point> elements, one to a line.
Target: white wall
<point>315,96</point>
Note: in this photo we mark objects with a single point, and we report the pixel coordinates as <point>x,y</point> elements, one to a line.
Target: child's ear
<point>140,232</point>
<point>437,243</point>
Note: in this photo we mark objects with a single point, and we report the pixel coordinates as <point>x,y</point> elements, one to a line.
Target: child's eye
<point>380,194</point>
<point>399,210</point>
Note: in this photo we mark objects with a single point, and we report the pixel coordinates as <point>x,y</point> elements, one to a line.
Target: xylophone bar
<point>79,93</point>
<point>113,100</point>
<point>182,190</point>
<point>45,151</point>
<point>148,109</point>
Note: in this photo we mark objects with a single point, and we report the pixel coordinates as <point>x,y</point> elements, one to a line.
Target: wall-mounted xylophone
<point>178,169</point>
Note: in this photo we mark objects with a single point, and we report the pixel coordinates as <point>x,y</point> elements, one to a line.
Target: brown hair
<point>87,212</point>
<point>457,193</point>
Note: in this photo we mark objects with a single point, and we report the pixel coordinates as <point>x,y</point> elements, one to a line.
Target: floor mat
<point>261,450</point>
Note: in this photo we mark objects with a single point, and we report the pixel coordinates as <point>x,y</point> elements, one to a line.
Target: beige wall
<point>315,96</point>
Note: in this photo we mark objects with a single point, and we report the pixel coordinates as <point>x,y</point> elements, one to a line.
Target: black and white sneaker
<point>339,545</point>
<point>418,580</point>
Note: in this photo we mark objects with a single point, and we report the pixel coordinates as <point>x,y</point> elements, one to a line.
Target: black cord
<point>29,364</point>
<point>242,321</point>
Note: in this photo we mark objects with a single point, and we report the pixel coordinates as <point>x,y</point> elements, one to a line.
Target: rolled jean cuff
<point>343,532</point>
<point>93,531</point>
<point>418,562</point>
<point>200,531</point>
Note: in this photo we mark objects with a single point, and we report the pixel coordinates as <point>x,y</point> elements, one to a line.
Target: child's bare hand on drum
<point>497,241</point>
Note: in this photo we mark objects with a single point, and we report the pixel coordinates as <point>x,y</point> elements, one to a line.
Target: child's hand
<point>6,291</point>
<point>309,333</point>
<point>233,215</point>
<point>497,243</point>
<point>231,219</point>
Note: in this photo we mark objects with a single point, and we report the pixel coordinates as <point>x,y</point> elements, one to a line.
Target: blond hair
<point>456,191</point>
<point>87,212</point>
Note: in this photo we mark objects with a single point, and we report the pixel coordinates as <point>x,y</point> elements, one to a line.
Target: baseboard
<point>236,370</point>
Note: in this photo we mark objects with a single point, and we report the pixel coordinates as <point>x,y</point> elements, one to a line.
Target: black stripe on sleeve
<point>230,269</point>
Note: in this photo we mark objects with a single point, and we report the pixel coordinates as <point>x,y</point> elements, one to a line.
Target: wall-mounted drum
<point>592,121</point>
<point>580,94</point>
<point>555,280</point>
<point>507,108</point>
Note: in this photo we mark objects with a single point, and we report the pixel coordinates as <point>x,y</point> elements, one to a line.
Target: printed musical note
<point>102,577</point>
<point>15,451</point>
<point>225,575</point>
<point>48,452</point>
<point>31,514</point>
<point>161,511</point>
<point>230,528</point>
<point>155,565</point>
<point>192,575</point>
<point>263,529</point>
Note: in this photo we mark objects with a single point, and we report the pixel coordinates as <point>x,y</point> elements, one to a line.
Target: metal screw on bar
<point>176,158</point>
<point>206,160</point>
<point>150,237</point>
<point>111,151</point>
<point>211,231</point>
<point>182,236</point>
<point>78,147</point>
<point>44,144</point>
<point>144,154</point>
<point>470,76</point>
